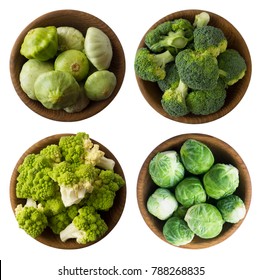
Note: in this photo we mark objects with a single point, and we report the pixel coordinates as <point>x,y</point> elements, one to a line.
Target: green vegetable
<point>232,66</point>
<point>100,85</point>
<point>31,69</point>
<point>201,19</point>
<point>204,220</point>
<point>171,79</point>
<point>232,208</point>
<point>198,70</point>
<point>177,232</point>
<point>210,39</point>
<point>31,219</point>
<point>58,189</point>
<point>40,43</point>
<point>56,89</point>
<point>87,226</point>
<point>162,203</point>
<point>169,35</point>
<point>98,48</point>
<point>196,156</point>
<point>150,66</point>
<point>70,38</point>
<point>165,169</point>
<point>190,191</point>
<point>221,180</point>
<point>174,100</point>
<point>74,62</point>
<point>205,102</point>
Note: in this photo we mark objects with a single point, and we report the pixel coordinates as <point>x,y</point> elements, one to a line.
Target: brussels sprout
<point>232,208</point>
<point>180,212</point>
<point>166,170</point>
<point>74,62</point>
<point>177,232</point>
<point>31,69</point>
<point>98,48</point>
<point>196,156</point>
<point>81,103</point>
<point>100,85</point>
<point>40,43</point>
<point>221,180</point>
<point>204,220</point>
<point>56,89</point>
<point>162,203</point>
<point>190,191</point>
<point>70,38</point>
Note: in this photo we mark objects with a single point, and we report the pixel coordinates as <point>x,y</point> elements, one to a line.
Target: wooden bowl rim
<point>151,92</point>
<point>55,241</point>
<point>118,65</point>
<point>175,143</point>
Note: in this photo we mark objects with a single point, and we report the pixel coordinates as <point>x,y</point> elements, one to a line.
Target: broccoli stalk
<point>87,226</point>
<point>174,100</point>
<point>201,19</point>
<point>150,66</point>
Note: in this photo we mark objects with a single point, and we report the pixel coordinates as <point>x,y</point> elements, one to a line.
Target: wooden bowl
<point>111,217</point>
<point>223,153</point>
<point>153,94</point>
<point>81,21</point>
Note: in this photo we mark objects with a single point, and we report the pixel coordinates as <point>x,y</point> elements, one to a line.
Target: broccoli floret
<point>80,149</point>
<point>33,180</point>
<point>150,66</point>
<point>171,79</point>
<point>211,39</point>
<point>106,186</point>
<point>174,100</point>
<point>169,35</point>
<point>197,70</point>
<point>74,181</point>
<point>201,19</point>
<point>31,219</point>
<point>52,152</point>
<point>59,222</point>
<point>232,66</point>
<point>202,102</point>
<point>87,226</point>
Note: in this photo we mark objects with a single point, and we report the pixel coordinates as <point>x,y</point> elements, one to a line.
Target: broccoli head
<point>197,70</point>
<point>87,226</point>
<point>31,219</point>
<point>174,100</point>
<point>232,66</point>
<point>171,79</point>
<point>150,66</point>
<point>200,102</point>
<point>211,39</point>
<point>169,35</point>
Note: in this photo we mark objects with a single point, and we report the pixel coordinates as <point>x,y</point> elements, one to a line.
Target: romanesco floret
<point>52,152</point>
<point>59,222</point>
<point>87,226</point>
<point>31,219</point>
<point>33,180</point>
<point>53,206</point>
<point>106,186</point>
<point>80,149</point>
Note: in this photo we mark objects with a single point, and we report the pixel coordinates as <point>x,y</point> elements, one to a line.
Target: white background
<point>130,128</point>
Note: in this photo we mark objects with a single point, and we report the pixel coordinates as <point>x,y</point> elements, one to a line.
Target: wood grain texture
<point>81,21</point>
<point>223,153</point>
<point>111,217</point>
<point>152,93</point>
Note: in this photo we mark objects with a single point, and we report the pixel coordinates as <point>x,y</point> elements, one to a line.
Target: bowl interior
<point>223,153</point>
<point>111,217</point>
<point>81,21</point>
<point>152,93</point>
